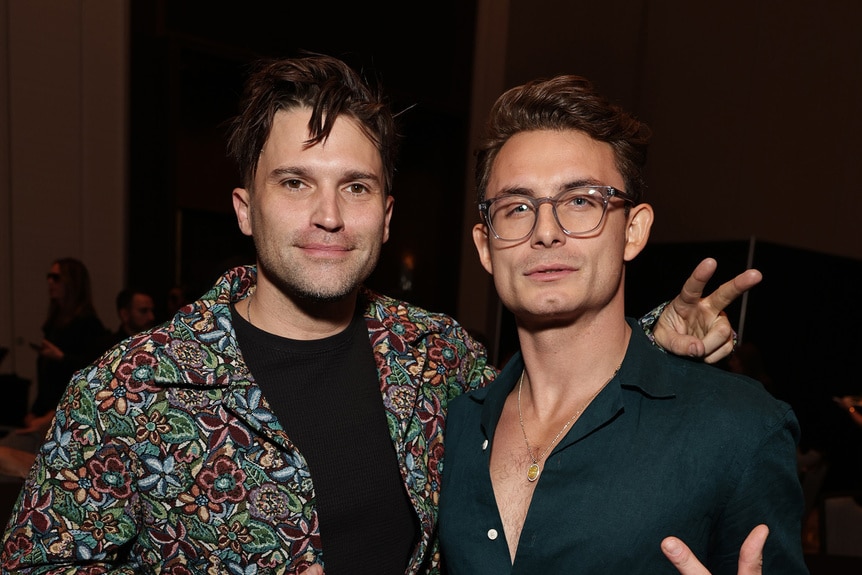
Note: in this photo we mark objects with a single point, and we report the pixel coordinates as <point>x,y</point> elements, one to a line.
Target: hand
<point>750,554</point>
<point>36,423</point>
<point>15,462</point>
<point>48,350</point>
<point>313,570</point>
<point>697,326</point>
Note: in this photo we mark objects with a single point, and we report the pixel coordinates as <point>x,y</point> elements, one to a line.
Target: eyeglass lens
<point>578,211</point>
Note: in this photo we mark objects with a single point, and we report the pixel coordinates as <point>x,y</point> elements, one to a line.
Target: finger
<point>682,344</point>
<point>719,339</point>
<point>716,344</point>
<point>730,290</point>
<point>720,353</point>
<point>681,556</point>
<point>751,552</point>
<point>692,289</point>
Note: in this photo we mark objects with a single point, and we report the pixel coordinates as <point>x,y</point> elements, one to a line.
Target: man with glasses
<point>592,446</point>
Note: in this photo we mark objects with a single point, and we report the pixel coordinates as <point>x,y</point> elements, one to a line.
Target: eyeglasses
<point>578,211</point>
<point>53,277</point>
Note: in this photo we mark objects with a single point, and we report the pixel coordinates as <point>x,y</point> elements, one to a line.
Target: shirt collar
<point>642,371</point>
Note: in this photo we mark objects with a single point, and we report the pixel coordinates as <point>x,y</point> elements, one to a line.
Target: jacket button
<point>492,534</point>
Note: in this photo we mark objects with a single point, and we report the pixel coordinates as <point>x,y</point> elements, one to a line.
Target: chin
<point>323,297</point>
<point>324,294</point>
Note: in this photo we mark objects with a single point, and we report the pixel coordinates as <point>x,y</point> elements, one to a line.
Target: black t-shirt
<point>326,394</point>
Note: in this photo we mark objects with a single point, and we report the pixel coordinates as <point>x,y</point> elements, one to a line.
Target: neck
<point>275,312</point>
<point>571,361</point>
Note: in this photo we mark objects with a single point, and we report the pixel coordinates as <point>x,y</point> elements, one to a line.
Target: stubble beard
<point>290,278</point>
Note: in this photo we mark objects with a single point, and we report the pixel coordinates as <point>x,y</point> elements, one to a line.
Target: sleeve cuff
<point>648,322</point>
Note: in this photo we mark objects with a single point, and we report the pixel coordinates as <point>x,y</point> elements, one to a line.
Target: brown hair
<point>326,85</point>
<point>77,294</point>
<point>565,103</point>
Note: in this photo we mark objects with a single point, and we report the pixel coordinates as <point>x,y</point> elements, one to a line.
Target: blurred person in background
<point>73,336</point>
<point>136,311</point>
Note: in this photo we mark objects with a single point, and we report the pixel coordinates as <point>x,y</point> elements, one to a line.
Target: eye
<point>292,184</point>
<point>513,207</point>
<point>357,188</point>
<point>581,201</point>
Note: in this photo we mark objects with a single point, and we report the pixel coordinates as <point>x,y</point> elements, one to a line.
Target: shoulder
<point>198,344</point>
<point>710,381</point>
<point>409,335</point>
<point>381,306</point>
<point>735,404</point>
<point>414,322</point>
<point>699,388</point>
<point>491,397</point>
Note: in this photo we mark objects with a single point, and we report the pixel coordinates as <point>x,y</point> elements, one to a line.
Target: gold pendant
<point>533,472</point>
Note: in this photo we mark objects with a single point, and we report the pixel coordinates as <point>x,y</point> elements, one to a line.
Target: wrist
<point>649,321</point>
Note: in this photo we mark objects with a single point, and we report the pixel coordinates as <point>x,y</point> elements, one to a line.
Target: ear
<point>242,206</point>
<point>482,241</point>
<point>390,202</point>
<point>637,230</point>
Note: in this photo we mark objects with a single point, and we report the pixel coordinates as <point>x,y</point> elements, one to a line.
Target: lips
<point>322,250</point>
<point>325,247</point>
<point>548,269</point>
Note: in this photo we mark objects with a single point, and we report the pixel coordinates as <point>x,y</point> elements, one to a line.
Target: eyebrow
<point>523,191</point>
<point>286,171</point>
<point>300,172</point>
<point>366,176</point>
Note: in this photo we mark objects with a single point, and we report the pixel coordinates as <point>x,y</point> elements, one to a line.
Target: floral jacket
<point>165,457</point>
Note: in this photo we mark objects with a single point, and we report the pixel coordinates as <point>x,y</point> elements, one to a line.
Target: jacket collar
<point>198,349</point>
<point>200,333</point>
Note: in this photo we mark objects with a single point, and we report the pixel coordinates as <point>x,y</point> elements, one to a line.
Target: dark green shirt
<point>669,447</point>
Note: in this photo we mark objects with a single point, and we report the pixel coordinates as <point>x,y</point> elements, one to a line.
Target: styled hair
<point>77,294</point>
<point>565,102</point>
<point>326,85</point>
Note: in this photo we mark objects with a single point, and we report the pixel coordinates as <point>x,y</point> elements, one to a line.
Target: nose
<point>547,231</point>
<point>327,211</point>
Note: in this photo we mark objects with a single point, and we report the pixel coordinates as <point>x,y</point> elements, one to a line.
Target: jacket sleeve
<point>75,513</point>
<point>647,323</point>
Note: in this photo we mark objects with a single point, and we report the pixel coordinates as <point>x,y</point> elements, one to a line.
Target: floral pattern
<point>166,458</point>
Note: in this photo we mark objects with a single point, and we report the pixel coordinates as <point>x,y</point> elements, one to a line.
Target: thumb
<point>681,556</point>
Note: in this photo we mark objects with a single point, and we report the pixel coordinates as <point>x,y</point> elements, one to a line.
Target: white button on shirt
<point>492,534</point>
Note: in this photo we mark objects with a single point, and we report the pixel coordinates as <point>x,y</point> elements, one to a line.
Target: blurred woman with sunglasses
<point>73,337</point>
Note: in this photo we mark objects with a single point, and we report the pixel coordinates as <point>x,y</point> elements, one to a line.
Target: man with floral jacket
<point>171,427</point>
<point>169,456</point>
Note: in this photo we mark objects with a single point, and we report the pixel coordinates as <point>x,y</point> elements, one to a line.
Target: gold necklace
<point>533,469</point>
<point>248,311</point>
